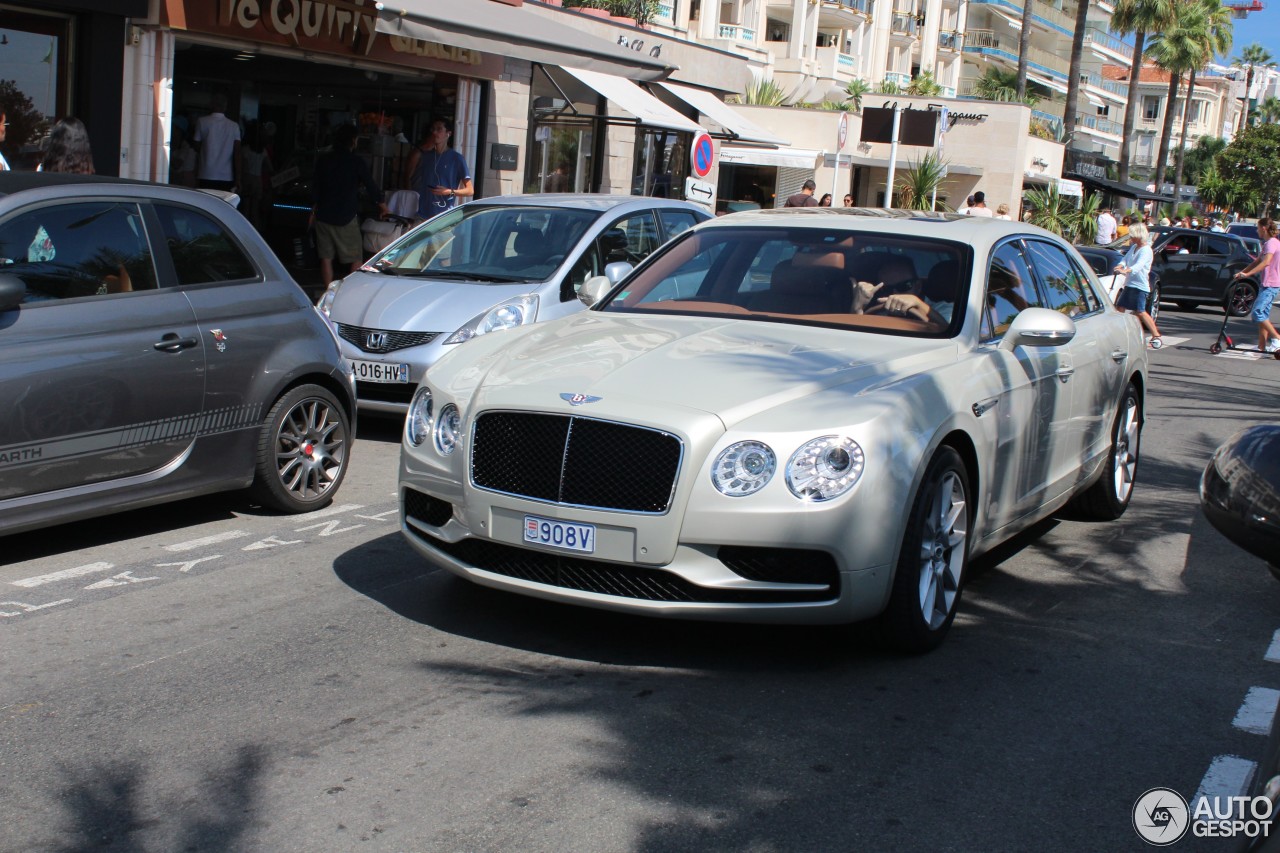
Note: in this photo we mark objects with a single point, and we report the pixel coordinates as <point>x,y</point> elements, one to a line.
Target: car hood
<point>729,368</point>
<point>377,301</point>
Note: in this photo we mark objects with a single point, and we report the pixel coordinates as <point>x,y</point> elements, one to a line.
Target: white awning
<point>724,115</point>
<point>1050,82</point>
<point>1097,102</point>
<point>645,107</point>
<point>789,158</point>
<point>513,31</point>
<point>1015,22</point>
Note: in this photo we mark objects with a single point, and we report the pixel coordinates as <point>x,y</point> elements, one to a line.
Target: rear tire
<point>302,451</point>
<point>935,553</point>
<point>1153,303</point>
<point>1215,348</point>
<point>1240,297</point>
<point>1108,498</point>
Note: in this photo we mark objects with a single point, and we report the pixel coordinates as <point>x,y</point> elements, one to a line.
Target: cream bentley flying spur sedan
<point>814,416</point>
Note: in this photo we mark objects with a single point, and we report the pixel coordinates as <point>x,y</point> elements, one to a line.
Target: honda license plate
<point>571,536</point>
<point>377,371</point>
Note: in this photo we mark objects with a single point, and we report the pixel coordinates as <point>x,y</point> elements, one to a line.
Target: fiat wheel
<point>931,565</point>
<point>302,452</point>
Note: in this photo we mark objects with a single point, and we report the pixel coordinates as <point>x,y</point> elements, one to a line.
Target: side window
<point>1063,286</point>
<point>676,221</point>
<point>201,249</point>
<point>641,232</point>
<point>64,251</point>
<point>1010,289</point>
<point>691,282</point>
<point>1217,246</point>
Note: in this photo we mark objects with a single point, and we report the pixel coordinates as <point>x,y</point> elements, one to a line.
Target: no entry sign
<point>702,157</point>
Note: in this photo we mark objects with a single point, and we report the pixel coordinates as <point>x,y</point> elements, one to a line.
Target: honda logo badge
<point>377,341</point>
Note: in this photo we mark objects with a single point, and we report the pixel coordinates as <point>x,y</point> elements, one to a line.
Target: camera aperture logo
<point>1160,816</point>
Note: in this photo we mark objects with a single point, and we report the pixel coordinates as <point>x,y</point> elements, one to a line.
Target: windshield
<point>866,281</point>
<point>488,243</point>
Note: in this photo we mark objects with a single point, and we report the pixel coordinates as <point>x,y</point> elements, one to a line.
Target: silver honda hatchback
<point>484,267</point>
<point>153,348</point>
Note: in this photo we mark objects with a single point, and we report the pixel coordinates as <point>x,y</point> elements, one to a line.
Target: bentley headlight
<point>825,468</point>
<point>417,426</point>
<point>448,429</point>
<point>744,468</point>
<point>325,303</point>
<point>506,315</point>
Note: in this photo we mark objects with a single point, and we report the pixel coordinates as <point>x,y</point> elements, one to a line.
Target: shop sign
<point>504,158</point>
<point>316,26</point>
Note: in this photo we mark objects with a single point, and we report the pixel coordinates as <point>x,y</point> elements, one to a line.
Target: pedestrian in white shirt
<point>1106,228</point>
<point>979,206</point>
<point>218,140</point>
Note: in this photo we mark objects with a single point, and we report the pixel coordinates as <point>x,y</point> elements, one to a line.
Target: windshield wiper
<point>453,275</point>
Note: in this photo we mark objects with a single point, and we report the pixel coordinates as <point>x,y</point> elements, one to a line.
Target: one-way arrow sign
<point>700,192</point>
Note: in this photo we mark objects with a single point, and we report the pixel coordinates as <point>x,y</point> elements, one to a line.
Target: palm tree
<point>853,92</point>
<point>1269,110</point>
<point>1251,57</point>
<point>1177,49</point>
<point>1216,40</point>
<point>1138,17</point>
<point>1024,47</point>
<point>1073,73</point>
<point>997,85</point>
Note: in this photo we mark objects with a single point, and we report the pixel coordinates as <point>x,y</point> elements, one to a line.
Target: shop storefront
<point>64,57</point>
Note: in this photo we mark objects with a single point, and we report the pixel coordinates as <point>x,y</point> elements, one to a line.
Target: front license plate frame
<point>381,372</point>
<point>557,533</point>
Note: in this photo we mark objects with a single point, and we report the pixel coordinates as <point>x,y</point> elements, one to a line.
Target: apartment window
<point>1150,107</point>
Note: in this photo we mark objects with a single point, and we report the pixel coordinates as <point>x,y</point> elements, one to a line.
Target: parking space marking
<point>1257,711</point>
<point>333,510</point>
<point>193,544</point>
<point>122,579</point>
<point>380,516</point>
<point>1273,653</point>
<point>54,577</point>
<point>270,542</point>
<point>1227,776</point>
<point>330,527</point>
<point>188,565</point>
<point>28,608</point>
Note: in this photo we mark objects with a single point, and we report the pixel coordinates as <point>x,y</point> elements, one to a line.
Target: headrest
<point>941,285</point>
<point>527,242</point>
<point>789,277</point>
<point>895,269</point>
<point>818,258</point>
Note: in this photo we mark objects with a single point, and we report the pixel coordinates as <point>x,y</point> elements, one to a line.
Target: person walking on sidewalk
<point>804,198</point>
<point>1106,227</point>
<point>437,173</point>
<point>1268,263</point>
<point>217,139</point>
<point>336,193</point>
<point>1135,266</point>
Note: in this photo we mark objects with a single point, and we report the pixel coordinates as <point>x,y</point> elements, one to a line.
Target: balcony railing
<point>988,42</point>
<point>951,40</point>
<point>901,79</point>
<point>903,23</point>
<point>733,32</point>
<point>1051,120</point>
<point>666,11</point>
<point>1100,124</point>
<point>1115,87</point>
<point>1093,35</point>
<point>1062,19</point>
<point>948,91</point>
<point>864,7</point>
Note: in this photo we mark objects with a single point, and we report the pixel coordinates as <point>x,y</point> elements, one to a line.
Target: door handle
<point>172,343</point>
<point>1066,372</point>
<point>1119,355</point>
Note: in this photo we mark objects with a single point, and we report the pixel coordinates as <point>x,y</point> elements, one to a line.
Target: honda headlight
<point>825,468</point>
<point>448,429</point>
<point>506,315</point>
<point>744,468</point>
<point>417,426</point>
<point>325,303</point>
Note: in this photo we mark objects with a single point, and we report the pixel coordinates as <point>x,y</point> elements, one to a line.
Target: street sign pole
<point>893,154</point>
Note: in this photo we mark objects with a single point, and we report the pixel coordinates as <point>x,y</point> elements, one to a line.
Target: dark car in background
<point>1198,267</point>
<point>153,348</point>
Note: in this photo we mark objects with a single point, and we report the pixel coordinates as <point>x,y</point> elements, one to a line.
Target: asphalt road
<point>204,676</point>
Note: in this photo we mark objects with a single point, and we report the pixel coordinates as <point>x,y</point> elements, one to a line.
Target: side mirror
<point>617,271</point>
<point>12,291</point>
<point>594,289</point>
<point>1039,327</point>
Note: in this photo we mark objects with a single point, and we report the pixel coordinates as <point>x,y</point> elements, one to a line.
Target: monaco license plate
<point>377,371</point>
<point>571,536</point>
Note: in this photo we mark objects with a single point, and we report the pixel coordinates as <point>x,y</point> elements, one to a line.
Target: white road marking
<point>206,540</point>
<point>28,608</point>
<point>188,565</point>
<point>1172,341</point>
<point>166,657</point>
<point>333,510</point>
<point>269,542</point>
<point>330,527</point>
<point>53,577</point>
<point>122,579</point>
<point>380,515</point>
<point>1227,776</point>
<point>1257,711</point>
<point>1273,653</point>
<point>1247,355</point>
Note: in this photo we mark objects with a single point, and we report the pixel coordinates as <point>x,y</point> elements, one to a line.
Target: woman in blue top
<point>1135,266</point>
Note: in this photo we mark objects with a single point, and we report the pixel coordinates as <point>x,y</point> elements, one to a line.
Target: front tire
<point>1153,303</point>
<point>1240,298</point>
<point>302,451</point>
<point>1108,498</point>
<point>935,552</point>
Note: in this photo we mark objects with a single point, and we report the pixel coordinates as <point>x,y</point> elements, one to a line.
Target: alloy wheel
<point>311,449</point>
<point>1124,457</point>
<point>942,549</point>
